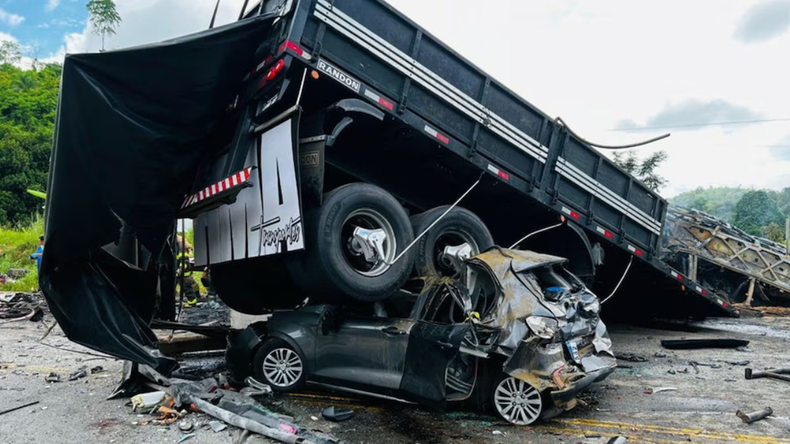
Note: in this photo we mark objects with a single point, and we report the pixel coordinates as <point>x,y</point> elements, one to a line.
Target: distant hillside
<point>762,213</point>
<point>718,201</point>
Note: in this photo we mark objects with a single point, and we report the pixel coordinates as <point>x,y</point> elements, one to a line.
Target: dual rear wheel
<point>357,238</point>
<point>354,251</point>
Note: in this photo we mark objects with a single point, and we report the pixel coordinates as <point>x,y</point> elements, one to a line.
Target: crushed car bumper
<point>565,396</point>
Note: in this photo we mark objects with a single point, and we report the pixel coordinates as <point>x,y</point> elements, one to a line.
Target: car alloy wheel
<point>517,402</point>
<point>282,367</point>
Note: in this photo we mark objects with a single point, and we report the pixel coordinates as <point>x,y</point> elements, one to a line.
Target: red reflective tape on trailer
<point>380,100</point>
<point>635,250</point>
<point>386,104</point>
<point>608,234</point>
<point>676,275</point>
<point>295,48</point>
<point>701,290</point>
<point>498,172</point>
<point>439,136</point>
<point>571,213</point>
<point>223,185</point>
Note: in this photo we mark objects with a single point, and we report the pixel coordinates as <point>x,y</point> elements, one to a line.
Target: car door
<point>363,352</point>
<point>430,350</point>
<point>434,343</point>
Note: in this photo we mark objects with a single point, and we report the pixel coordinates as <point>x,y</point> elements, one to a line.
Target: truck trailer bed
<point>373,50</point>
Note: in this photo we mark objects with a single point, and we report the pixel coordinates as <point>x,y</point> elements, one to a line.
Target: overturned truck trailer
<point>325,150</point>
<point>739,267</point>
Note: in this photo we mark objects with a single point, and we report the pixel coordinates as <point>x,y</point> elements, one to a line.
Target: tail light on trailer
<point>272,73</point>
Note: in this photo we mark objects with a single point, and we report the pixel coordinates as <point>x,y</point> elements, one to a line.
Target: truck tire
<point>459,226</point>
<point>334,266</point>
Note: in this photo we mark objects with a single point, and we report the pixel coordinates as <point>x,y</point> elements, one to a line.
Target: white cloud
<point>52,5</point>
<point>7,37</point>
<point>10,19</point>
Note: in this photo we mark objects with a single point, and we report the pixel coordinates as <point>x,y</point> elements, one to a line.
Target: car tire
<point>457,227</point>
<point>514,400</point>
<point>331,270</point>
<point>280,366</point>
<point>255,286</point>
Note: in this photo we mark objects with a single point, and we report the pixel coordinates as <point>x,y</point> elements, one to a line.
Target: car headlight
<point>545,328</point>
<point>593,307</point>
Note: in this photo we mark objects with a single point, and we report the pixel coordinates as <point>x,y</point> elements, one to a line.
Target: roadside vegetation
<point>16,245</point>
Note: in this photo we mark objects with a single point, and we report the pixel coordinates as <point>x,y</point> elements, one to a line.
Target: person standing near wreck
<point>38,254</point>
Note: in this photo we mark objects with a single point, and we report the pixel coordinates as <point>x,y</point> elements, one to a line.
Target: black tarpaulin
<point>132,126</point>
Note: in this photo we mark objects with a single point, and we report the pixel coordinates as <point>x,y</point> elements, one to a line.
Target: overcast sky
<point>600,65</point>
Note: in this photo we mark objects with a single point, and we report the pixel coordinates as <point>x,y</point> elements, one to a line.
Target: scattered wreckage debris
<point>755,416</point>
<point>189,342</point>
<point>174,399</point>
<point>694,344</point>
<point>630,357</point>
<point>653,391</point>
<point>52,377</point>
<point>22,307</point>
<point>217,426</point>
<point>13,409</point>
<point>337,414</point>
<point>782,374</point>
<point>79,374</point>
<point>760,311</point>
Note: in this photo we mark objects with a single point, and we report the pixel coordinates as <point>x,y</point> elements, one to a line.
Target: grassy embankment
<point>16,246</point>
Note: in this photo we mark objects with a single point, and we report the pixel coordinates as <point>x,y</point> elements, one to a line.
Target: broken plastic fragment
<point>337,414</point>
<point>659,390</point>
<point>147,400</point>
<point>217,426</point>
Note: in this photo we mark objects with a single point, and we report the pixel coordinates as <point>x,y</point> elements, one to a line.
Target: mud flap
<point>430,350</point>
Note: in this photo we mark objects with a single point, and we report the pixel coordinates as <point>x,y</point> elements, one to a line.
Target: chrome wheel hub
<point>370,242</point>
<point>282,367</point>
<point>517,402</point>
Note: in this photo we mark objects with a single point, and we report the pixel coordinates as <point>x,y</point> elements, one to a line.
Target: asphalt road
<point>701,410</point>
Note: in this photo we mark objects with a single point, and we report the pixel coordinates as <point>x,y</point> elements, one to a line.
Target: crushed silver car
<point>517,334</point>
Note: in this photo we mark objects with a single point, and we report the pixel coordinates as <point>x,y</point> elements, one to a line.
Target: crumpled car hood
<point>520,296</point>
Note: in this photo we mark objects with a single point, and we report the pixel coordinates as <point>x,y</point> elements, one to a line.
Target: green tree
<point>774,232</point>
<point>700,203</point>
<point>103,17</point>
<point>10,53</point>
<point>644,170</point>
<point>28,102</point>
<point>718,201</point>
<point>755,212</point>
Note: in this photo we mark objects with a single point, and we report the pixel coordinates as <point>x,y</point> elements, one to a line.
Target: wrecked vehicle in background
<point>521,336</point>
